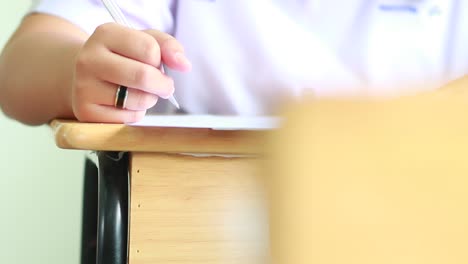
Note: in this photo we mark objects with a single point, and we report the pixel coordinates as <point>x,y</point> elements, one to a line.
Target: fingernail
<point>172,89</point>
<point>181,59</point>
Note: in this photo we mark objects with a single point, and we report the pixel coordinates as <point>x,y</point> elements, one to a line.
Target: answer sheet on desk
<point>210,121</point>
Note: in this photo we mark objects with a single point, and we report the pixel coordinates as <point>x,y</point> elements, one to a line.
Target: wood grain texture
<point>71,134</point>
<point>193,210</point>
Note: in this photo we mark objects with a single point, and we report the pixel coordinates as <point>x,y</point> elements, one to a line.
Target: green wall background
<point>41,185</point>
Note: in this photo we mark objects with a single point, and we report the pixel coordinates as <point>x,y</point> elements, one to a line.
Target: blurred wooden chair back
<point>366,182</point>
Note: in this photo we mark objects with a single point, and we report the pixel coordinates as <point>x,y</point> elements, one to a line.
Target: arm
<point>50,69</point>
<point>36,69</point>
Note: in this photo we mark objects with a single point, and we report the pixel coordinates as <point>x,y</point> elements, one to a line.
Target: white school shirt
<point>248,55</point>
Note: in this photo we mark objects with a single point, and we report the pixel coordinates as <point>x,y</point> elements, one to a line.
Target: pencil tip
<point>174,102</point>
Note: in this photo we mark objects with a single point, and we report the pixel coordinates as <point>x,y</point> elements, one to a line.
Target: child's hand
<point>115,55</point>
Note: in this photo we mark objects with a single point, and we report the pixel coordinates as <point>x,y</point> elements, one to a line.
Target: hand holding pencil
<point>119,72</point>
<point>119,17</point>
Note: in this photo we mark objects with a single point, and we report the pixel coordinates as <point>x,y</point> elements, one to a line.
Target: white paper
<point>210,121</point>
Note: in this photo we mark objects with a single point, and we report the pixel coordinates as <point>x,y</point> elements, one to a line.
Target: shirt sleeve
<point>88,14</point>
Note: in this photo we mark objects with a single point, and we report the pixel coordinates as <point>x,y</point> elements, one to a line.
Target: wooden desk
<point>352,181</point>
<point>204,207</point>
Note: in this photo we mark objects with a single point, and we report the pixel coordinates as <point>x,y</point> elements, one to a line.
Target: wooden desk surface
<point>388,180</point>
<point>70,134</point>
<point>185,209</point>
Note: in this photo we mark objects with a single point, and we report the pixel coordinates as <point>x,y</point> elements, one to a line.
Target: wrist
<point>66,107</point>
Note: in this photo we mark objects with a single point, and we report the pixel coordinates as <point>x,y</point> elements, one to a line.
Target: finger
<point>130,43</point>
<point>136,100</point>
<point>116,69</point>
<point>108,114</point>
<point>172,51</point>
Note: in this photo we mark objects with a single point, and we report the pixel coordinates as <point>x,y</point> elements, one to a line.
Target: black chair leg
<point>89,214</point>
<point>105,210</point>
<point>113,201</point>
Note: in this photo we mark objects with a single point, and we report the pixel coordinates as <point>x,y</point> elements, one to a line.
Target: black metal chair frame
<point>106,198</point>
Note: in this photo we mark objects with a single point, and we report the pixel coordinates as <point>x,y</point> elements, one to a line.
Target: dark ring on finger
<point>121,97</point>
